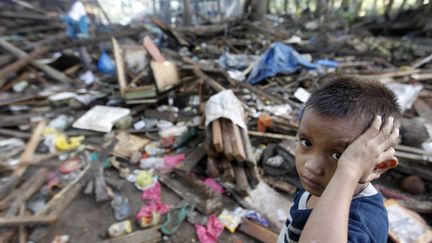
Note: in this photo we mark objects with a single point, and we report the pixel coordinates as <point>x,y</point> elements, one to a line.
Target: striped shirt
<point>368,221</point>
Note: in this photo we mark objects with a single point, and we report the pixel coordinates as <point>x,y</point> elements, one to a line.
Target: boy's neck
<point>313,200</point>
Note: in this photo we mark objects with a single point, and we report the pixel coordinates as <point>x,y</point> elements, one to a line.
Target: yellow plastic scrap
<point>63,143</point>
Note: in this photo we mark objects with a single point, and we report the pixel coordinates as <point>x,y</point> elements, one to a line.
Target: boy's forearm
<point>328,221</point>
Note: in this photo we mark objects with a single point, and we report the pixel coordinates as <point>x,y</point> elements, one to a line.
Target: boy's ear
<point>381,168</point>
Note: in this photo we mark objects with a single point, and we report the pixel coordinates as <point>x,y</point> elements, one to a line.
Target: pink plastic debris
<point>147,210</point>
<point>212,232</point>
<point>152,194</point>
<point>214,185</point>
<point>172,161</point>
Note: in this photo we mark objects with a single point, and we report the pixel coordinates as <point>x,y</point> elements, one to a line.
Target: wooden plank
<point>150,235</point>
<point>211,82</point>
<point>217,136</point>
<point>228,170</point>
<point>242,185</point>
<point>257,231</point>
<point>227,133</point>
<point>27,190</point>
<point>17,65</point>
<point>250,157</point>
<point>212,168</point>
<point>252,175</point>
<point>26,157</point>
<point>237,144</point>
<point>193,191</point>
<point>193,157</point>
<point>153,50</point>
<point>121,75</point>
<point>59,203</point>
<point>51,72</point>
<point>22,234</point>
<point>272,135</point>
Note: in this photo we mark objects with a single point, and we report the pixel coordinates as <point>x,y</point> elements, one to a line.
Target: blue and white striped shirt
<point>368,221</point>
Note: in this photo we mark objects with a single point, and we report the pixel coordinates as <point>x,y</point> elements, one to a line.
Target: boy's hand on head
<point>372,152</point>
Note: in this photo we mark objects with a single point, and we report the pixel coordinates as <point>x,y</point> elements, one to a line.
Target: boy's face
<point>322,140</point>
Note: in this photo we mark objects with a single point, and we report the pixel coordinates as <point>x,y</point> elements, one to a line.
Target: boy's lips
<point>310,183</point>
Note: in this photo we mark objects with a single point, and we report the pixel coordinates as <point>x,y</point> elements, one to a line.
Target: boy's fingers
<point>392,139</point>
<point>387,155</point>
<point>375,126</point>
<point>388,126</point>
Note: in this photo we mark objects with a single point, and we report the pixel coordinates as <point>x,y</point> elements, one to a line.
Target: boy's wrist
<point>348,172</point>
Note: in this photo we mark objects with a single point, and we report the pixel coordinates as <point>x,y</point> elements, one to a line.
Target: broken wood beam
<point>150,235</point>
<point>242,185</point>
<point>250,157</point>
<point>211,82</point>
<point>51,72</point>
<point>227,133</point>
<point>252,175</point>
<point>257,231</point>
<point>24,16</point>
<point>17,65</point>
<point>237,143</point>
<point>25,158</point>
<point>121,75</point>
<point>228,170</point>
<point>217,136</point>
<point>194,191</point>
<point>272,135</point>
<point>212,168</point>
<point>27,190</point>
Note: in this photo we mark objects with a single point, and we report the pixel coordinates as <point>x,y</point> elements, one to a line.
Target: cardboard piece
<point>406,225</point>
<point>101,118</point>
<point>165,74</point>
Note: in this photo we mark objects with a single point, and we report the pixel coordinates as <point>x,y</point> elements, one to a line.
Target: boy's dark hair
<point>350,96</point>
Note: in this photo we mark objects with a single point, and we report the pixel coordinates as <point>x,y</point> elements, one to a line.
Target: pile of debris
<point>160,121</point>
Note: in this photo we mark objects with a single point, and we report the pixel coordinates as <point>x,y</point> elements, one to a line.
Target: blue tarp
<point>281,58</point>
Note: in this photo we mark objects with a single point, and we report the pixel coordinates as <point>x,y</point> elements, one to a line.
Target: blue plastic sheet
<point>106,64</point>
<point>281,58</point>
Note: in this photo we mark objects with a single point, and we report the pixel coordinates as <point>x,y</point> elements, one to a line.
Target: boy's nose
<point>315,165</point>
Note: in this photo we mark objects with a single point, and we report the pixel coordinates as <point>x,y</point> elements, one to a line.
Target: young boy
<point>347,135</point>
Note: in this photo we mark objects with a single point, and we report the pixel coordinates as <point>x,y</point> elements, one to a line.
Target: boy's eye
<point>305,143</point>
<point>336,156</point>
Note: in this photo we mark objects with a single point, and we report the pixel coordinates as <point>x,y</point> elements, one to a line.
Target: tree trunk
<point>297,6</point>
<point>374,8</point>
<point>344,7</point>
<point>402,6</point>
<point>388,9</point>
<point>286,7</point>
<point>165,10</point>
<point>358,7</point>
<point>268,7</point>
<point>187,14</point>
<point>255,10</point>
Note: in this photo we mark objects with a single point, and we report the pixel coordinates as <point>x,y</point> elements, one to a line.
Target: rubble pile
<point>160,125</point>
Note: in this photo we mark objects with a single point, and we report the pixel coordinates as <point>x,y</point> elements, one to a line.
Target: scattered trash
<point>120,228</point>
<point>211,233</point>
<point>120,205</point>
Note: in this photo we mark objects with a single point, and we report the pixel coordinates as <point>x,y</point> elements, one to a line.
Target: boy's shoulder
<point>368,220</point>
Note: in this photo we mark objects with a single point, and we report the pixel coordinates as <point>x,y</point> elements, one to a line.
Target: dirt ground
<point>86,221</point>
